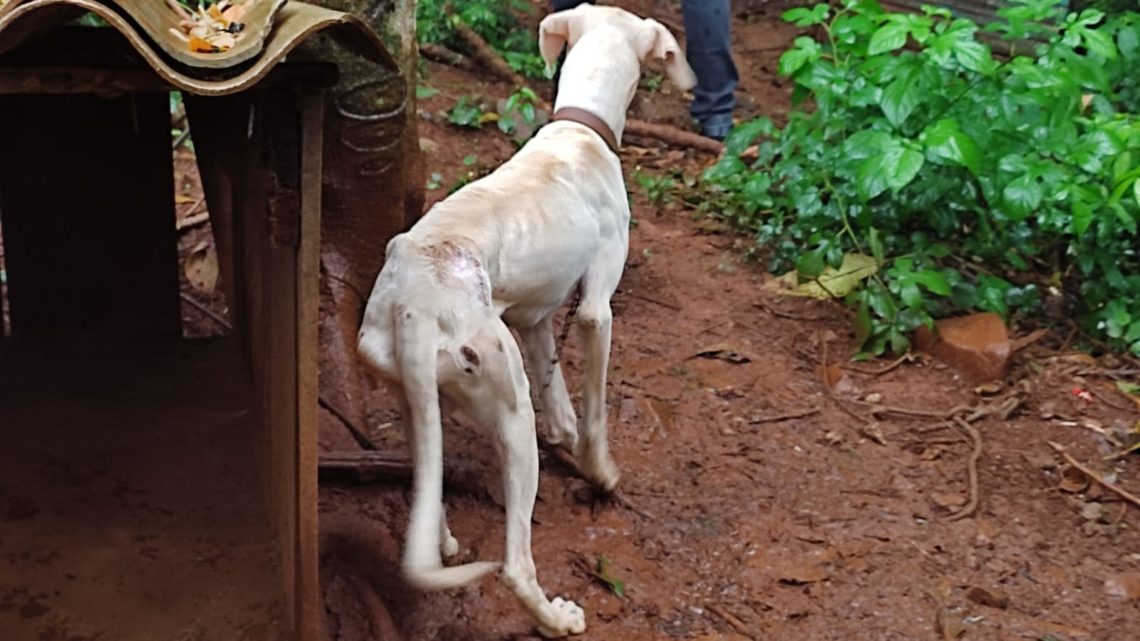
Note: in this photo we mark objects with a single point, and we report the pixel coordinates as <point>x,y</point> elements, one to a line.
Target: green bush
<point>975,182</point>
<point>495,20</point>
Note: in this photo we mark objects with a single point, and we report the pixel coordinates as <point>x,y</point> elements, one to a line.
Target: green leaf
<point>1131,389</point>
<point>805,50</point>
<point>601,571</point>
<point>805,17</point>
<point>1023,195</point>
<point>745,134</point>
<point>932,280</point>
<point>905,166</point>
<point>1136,191</point>
<point>1082,217</point>
<point>470,159</point>
<point>887,38</point>
<point>862,324</point>
<point>902,95</point>
<point>1116,318</point>
<point>424,92</point>
<point>875,241</point>
<point>1099,43</point>
<point>945,139</point>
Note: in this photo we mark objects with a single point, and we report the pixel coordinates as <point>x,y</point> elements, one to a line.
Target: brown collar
<point>583,117</point>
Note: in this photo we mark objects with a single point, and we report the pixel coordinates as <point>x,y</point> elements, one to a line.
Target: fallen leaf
<point>183,199</point>
<point>988,597</point>
<point>837,283</point>
<point>199,45</point>
<point>1073,481</point>
<point>1125,585</point>
<point>948,500</point>
<point>710,226</point>
<point>201,268</point>
<point>831,375</point>
<point>873,432</point>
<point>802,574</point>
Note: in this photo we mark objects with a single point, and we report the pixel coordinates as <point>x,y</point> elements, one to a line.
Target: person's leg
<point>708,47</point>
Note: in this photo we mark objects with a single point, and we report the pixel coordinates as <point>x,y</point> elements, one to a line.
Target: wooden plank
<point>308,610</point>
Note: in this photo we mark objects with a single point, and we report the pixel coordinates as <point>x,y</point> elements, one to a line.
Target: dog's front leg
<point>546,372</point>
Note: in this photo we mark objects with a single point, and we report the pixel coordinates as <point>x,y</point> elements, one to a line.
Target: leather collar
<point>583,117</point>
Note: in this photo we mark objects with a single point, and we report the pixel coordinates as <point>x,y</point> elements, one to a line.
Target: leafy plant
<point>496,21</point>
<point>466,113</point>
<point>522,103</point>
<point>975,182</point>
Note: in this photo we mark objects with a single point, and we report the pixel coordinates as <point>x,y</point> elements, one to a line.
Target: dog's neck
<point>599,76</point>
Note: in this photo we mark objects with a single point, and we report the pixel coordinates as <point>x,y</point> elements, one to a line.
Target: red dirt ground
<point>734,526</point>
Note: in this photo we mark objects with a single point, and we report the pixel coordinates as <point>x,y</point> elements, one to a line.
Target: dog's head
<point>649,39</point>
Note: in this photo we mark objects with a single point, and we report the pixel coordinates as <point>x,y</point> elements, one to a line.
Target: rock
<point>988,597</point>
<point>976,345</point>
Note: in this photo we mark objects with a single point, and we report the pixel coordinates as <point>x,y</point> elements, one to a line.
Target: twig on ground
<point>827,388</point>
<point>893,365</point>
<point>1124,494</point>
<point>486,56</point>
<point>731,619</point>
<point>971,469</point>
<point>783,417</point>
<point>180,139</point>
<point>443,55</point>
<point>214,316</point>
<point>650,299</point>
<point>357,434</point>
<point>673,136</point>
<point>781,314</point>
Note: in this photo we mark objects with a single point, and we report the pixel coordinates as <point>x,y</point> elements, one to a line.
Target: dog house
<point>151,487</point>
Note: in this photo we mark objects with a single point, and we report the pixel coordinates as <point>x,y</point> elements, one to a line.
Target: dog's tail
<point>416,352</point>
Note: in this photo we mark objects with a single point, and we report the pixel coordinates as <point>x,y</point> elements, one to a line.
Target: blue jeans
<point>708,48</point>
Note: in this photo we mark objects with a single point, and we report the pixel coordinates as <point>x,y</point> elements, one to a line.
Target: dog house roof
<point>269,29</point>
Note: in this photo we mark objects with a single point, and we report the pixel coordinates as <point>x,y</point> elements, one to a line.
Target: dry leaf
<point>201,268</point>
<point>837,283</point>
<point>183,199</point>
<point>988,597</point>
<point>199,45</point>
<point>1073,481</point>
<point>948,500</point>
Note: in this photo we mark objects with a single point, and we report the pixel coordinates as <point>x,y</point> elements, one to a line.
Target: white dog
<point>514,246</point>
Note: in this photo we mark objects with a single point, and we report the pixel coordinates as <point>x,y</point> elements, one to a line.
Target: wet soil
<point>734,523</point>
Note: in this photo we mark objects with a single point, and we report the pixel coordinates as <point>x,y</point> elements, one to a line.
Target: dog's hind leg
<point>506,406</point>
<point>595,325</point>
<point>546,373</point>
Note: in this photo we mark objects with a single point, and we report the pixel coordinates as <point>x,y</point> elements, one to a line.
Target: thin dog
<point>511,249</point>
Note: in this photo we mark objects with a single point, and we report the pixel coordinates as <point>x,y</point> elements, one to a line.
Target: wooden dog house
<point>154,488</point>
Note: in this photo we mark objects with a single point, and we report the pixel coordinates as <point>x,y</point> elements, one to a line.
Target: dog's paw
<point>601,472</point>
<point>449,547</point>
<point>566,618</point>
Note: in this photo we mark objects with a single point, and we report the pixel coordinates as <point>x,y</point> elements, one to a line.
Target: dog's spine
<point>418,340</point>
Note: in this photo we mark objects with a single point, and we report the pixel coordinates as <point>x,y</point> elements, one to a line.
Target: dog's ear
<point>553,35</point>
<point>659,44</point>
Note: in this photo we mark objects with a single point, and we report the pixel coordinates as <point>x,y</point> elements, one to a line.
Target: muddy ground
<point>734,523</point>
